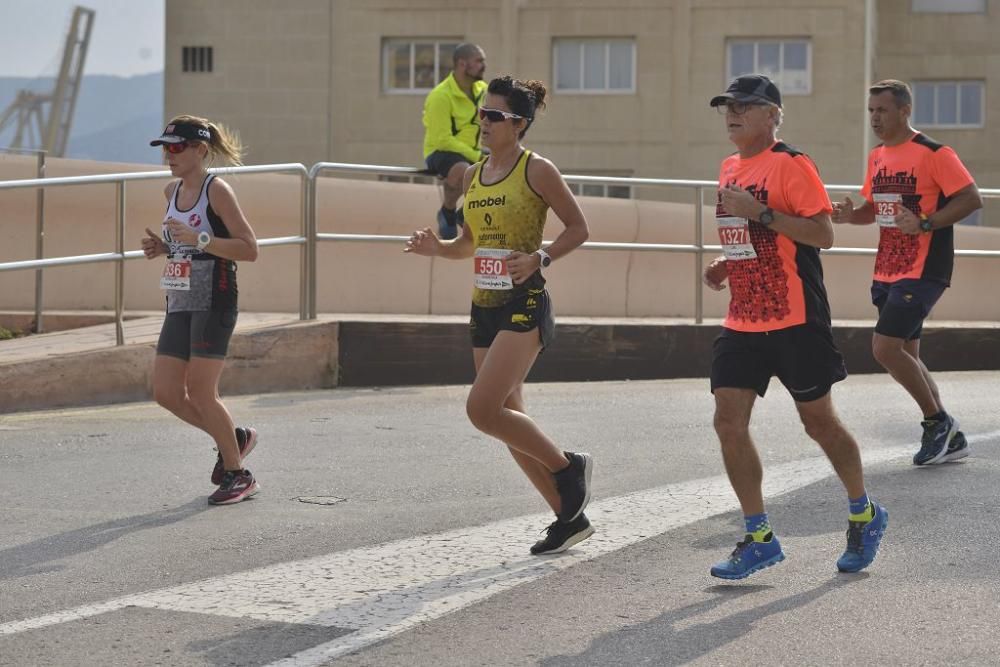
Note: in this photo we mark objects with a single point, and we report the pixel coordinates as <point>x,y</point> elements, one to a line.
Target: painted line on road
<point>381,591</point>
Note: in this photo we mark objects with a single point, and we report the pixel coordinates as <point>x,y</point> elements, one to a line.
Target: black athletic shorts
<point>199,333</point>
<point>531,310</point>
<point>441,162</point>
<point>904,305</point>
<point>803,357</point>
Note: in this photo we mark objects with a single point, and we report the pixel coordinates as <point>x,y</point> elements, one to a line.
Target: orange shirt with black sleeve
<point>774,282</point>
<point>921,175</point>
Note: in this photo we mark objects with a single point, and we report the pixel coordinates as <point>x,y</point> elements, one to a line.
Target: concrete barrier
<point>364,352</point>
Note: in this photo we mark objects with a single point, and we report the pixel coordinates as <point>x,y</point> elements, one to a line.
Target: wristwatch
<point>766,217</point>
<point>546,260</point>
<point>204,238</point>
<point>925,224</point>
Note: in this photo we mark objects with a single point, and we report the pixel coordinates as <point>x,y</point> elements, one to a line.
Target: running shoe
<point>863,540</point>
<point>938,434</point>
<point>561,536</point>
<point>447,227</point>
<point>958,448</point>
<point>236,485</point>
<point>573,484</point>
<point>749,557</point>
<point>246,438</point>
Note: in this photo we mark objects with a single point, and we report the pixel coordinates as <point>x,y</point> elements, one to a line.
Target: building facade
<point>344,80</point>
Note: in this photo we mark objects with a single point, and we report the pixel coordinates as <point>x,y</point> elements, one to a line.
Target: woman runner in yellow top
<point>507,196</point>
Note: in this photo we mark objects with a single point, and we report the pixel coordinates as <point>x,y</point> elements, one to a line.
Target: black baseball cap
<point>749,88</point>
<point>175,133</point>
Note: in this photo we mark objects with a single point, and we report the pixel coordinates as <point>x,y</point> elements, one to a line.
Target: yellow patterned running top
<point>504,216</point>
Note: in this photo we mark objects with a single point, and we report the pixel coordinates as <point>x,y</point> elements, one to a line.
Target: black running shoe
<point>561,536</point>
<point>573,484</point>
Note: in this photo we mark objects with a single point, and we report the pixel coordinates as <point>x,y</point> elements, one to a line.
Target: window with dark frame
<point>197,59</point>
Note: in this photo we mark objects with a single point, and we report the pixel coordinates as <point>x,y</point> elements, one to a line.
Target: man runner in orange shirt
<point>773,215</point>
<point>915,189</point>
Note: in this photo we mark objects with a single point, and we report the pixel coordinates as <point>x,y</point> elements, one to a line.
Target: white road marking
<point>377,592</point>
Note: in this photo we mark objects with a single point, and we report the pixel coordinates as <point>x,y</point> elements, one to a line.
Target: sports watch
<point>546,260</point>
<point>766,217</point>
<point>925,224</point>
<point>204,238</point>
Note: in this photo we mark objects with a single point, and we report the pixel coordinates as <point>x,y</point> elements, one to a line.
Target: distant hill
<point>115,116</point>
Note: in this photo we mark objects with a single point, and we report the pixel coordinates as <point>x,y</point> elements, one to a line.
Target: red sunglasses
<point>178,147</point>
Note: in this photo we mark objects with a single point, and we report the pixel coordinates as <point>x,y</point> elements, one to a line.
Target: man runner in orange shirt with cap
<point>915,189</point>
<point>773,215</point>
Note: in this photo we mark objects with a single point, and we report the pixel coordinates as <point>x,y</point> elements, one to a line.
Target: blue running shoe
<point>958,449</point>
<point>938,434</point>
<point>748,557</point>
<point>863,540</point>
<point>447,227</point>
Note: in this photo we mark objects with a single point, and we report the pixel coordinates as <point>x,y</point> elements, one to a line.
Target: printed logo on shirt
<point>898,252</point>
<point>194,220</point>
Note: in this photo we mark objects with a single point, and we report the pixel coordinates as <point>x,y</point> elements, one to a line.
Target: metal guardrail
<point>309,237</point>
<point>120,255</point>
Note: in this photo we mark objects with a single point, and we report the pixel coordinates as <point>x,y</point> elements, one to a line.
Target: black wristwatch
<point>766,217</point>
<point>925,224</point>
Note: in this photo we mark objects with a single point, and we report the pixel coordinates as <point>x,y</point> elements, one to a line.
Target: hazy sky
<point>127,37</point>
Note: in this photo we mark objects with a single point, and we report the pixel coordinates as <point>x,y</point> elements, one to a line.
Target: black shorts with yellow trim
<point>530,310</point>
<point>804,358</point>
<point>904,305</point>
<point>199,333</point>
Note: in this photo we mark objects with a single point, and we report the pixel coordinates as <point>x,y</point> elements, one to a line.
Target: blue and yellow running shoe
<point>863,540</point>
<point>749,557</point>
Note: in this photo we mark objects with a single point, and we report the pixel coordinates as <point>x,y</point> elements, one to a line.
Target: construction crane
<point>34,128</point>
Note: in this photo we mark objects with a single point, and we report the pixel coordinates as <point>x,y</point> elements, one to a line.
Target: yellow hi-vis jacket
<point>451,119</point>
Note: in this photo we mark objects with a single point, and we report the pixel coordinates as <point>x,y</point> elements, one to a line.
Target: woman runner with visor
<point>507,196</point>
<point>204,233</point>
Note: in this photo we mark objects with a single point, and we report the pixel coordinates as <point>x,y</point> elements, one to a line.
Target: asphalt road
<point>110,555</point>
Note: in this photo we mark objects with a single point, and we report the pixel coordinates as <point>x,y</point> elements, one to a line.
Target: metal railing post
<point>120,264</point>
<point>39,243</point>
<point>699,255</point>
<point>311,243</point>
<point>304,260</point>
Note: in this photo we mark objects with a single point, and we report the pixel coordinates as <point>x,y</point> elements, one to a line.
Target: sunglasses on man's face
<point>179,147</point>
<point>738,108</point>
<point>496,115</point>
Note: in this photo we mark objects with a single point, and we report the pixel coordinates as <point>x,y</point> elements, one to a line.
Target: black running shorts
<point>441,162</point>
<point>904,305</point>
<point>803,357</point>
<point>531,310</point>
<point>200,333</point>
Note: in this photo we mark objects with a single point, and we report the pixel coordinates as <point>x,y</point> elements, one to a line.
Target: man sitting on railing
<point>451,139</point>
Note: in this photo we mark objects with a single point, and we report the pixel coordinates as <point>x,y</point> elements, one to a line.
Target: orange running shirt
<point>921,175</point>
<point>775,283</point>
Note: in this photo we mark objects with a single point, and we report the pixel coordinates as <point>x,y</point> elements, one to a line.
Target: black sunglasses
<point>739,108</point>
<point>496,115</point>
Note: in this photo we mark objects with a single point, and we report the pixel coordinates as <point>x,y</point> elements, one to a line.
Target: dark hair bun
<point>538,91</point>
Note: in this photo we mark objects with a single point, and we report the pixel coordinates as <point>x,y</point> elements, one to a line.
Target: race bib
<point>491,269</point>
<point>886,208</point>
<point>176,274</point>
<point>734,233</point>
